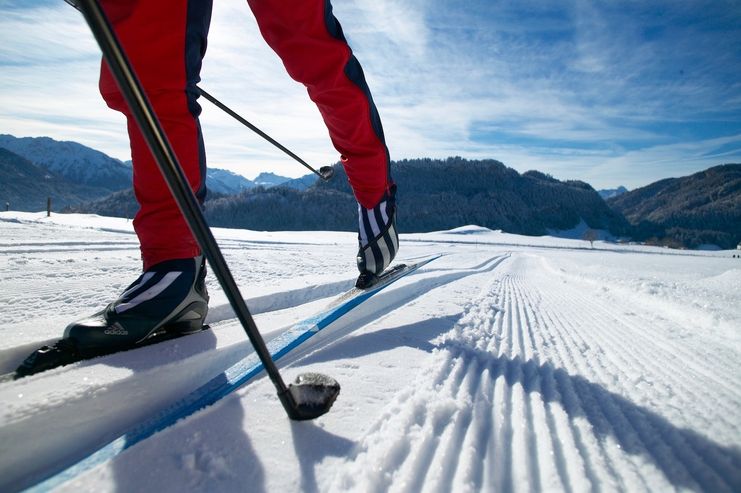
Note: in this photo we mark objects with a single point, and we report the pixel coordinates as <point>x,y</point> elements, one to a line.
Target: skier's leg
<point>165,42</point>
<point>310,42</point>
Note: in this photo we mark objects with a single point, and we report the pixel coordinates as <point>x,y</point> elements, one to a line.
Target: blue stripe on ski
<point>227,382</point>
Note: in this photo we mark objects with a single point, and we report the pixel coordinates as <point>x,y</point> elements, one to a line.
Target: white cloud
<point>572,90</point>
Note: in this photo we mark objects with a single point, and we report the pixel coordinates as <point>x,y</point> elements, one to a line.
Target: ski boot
<point>169,297</point>
<point>377,238</point>
<point>168,300</point>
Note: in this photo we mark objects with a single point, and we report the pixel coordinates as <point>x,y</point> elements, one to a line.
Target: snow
<point>511,363</point>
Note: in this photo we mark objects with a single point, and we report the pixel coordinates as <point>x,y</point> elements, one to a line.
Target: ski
<point>64,352</point>
<point>231,379</point>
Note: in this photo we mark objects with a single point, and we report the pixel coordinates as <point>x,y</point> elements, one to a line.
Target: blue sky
<point>610,92</point>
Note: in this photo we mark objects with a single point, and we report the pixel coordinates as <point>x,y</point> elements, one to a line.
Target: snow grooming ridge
<point>503,408</point>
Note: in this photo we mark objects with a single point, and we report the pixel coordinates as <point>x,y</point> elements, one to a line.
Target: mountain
<point>89,175</point>
<point>82,165</point>
<point>225,182</point>
<point>268,180</point>
<point>123,204</point>
<point>302,183</point>
<point>692,211</point>
<point>118,204</point>
<point>433,195</point>
<point>75,162</point>
<point>25,186</point>
<point>612,192</point>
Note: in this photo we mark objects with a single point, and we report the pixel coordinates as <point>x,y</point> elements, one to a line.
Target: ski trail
<point>590,405</point>
<point>531,391</point>
<point>639,359</point>
<point>382,305</point>
<point>701,358</point>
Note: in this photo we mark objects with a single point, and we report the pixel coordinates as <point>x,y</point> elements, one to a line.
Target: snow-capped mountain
<point>75,173</point>
<point>75,162</point>
<point>612,192</point>
<point>225,182</point>
<point>268,180</point>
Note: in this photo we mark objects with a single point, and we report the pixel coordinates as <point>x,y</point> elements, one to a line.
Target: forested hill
<point>703,208</point>
<point>433,195</point>
<point>26,186</point>
<point>696,210</point>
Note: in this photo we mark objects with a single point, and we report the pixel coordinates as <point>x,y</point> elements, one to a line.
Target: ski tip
<point>63,352</point>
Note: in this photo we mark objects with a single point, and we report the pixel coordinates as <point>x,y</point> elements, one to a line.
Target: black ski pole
<point>312,395</point>
<point>325,172</point>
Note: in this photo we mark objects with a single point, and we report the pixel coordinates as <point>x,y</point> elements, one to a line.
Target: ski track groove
<point>447,458</point>
<point>699,379</point>
<point>590,449</point>
<point>412,475</point>
<point>571,437</point>
<point>599,410</point>
<point>516,293</point>
<point>595,408</point>
<point>470,438</point>
<point>668,448</point>
<point>641,352</point>
<point>639,432</point>
<point>527,474</point>
<point>674,349</point>
<point>686,359</point>
<point>527,298</point>
<point>504,403</point>
<point>549,472</point>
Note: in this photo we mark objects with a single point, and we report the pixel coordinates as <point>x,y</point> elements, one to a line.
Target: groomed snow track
<point>530,391</point>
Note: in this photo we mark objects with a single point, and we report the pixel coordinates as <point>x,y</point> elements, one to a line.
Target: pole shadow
<point>209,453</point>
<point>312,445</point>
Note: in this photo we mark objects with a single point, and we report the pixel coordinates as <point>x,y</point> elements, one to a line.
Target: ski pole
<point>297,401</point>
<point>325,172</point>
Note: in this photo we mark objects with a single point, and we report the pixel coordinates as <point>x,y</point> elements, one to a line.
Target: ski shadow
<point>417,335</point>
<point>211,452</point>
<point>312,444</point>
<point>386,302</point>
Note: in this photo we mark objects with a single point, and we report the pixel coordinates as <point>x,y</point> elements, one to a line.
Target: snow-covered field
<point>509,364</point>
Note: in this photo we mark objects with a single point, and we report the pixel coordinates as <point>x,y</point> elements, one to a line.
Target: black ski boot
<point>167,301</point>
<point>377,238</point>
<point>169,297</point>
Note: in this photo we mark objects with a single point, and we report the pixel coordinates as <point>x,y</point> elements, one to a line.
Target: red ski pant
<point>166,41</point>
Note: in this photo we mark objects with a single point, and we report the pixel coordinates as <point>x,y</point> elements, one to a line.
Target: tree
<point>590,235</point>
